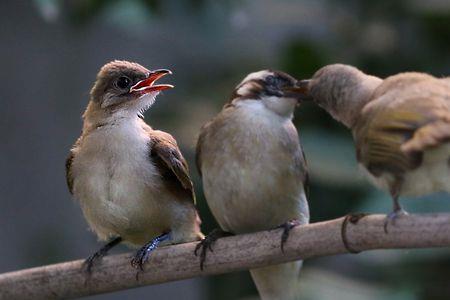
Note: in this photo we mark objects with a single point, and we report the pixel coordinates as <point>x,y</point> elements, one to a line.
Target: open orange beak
<point>148,85</point>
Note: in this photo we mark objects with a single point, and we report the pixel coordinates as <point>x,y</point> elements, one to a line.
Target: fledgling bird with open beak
<point>254,171</point>
<point>131,181</point>
<point>400,125</point>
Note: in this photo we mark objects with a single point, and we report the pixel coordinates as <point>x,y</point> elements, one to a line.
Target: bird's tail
<point>278,282</point>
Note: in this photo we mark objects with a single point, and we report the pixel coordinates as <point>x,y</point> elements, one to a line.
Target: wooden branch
<point>67,280</point>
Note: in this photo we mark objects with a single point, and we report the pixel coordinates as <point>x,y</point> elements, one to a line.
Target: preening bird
<point>400,125</point>
<point>254,171</point>
<point>131,181</point>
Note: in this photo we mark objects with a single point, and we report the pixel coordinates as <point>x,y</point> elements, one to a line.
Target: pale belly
<point>432,176</point>
<point>121,203</point>
<point>119,191</point>
<point>249,198</point>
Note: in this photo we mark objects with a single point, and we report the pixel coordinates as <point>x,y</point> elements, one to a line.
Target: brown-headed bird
<point>131,181</point>
<point>400,125</point>
<point>254,171</point>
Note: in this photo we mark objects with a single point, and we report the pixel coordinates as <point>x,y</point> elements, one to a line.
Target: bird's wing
<point>295,151</point>
<point>394,136</point>
<point>213,125</point>
<point>431,135</point>
<point>198,148</point>
<point>436,132</point>
<point>306,180</point>
<point>69,175</point>
<point>168,159</point>
<point>69,161</point>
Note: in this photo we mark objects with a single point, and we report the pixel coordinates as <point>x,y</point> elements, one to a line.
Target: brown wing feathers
<point>69,177</point>
<point>429,136</point>
<point>168,158</point>
<point>395,139</point>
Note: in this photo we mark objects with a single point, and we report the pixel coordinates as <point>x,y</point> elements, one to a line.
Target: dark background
<point>51,51</point>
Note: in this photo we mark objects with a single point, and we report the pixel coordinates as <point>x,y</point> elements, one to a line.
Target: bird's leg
<point>287,227</point>
<point>89,262</point>
<point>208,242</point>
<point>397,209</point>
<point>354,219</point>
<point>142,255</point>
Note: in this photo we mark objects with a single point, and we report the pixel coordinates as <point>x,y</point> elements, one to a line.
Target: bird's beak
<point>299,91</point>
<point>147,85</point>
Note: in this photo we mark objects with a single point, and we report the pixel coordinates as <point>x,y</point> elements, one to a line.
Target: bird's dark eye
<point>123,82</point>
<point>270,80</point>
<point>275,81</point>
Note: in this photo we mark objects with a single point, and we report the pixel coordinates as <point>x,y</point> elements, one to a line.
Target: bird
<point>254,171</point>
<point>400,126</point>
<point>131,181</point>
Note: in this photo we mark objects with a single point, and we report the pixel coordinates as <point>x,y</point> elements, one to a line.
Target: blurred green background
<point>50,53</point>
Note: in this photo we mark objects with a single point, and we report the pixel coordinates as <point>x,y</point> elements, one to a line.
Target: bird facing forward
<point>254,171</point>
<point>401,126</point>
<point>131,180</point>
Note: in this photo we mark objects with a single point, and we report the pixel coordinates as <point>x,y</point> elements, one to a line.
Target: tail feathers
<point>278,282</point>
<point>429,136</point>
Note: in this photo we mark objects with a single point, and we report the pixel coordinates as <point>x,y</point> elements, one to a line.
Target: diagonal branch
<point>67,280</point>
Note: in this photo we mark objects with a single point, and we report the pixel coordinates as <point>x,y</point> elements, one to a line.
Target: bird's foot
<point>143,254</point>
<point>207,243</point>
<point>392,218</point>
<point>91,260</point>
<point>354,219</point>
<point>97,256</point>
<point>287,227</point>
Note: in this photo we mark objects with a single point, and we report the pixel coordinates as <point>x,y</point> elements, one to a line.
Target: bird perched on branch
<point>131,180</point>
<point>401,126</point>
<point>254,171</point>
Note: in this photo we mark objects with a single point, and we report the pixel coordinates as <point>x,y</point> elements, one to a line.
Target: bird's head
<point>126,86</point>
<point>341,90</point>
<point>278,91</point>
<point>333,83</point>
